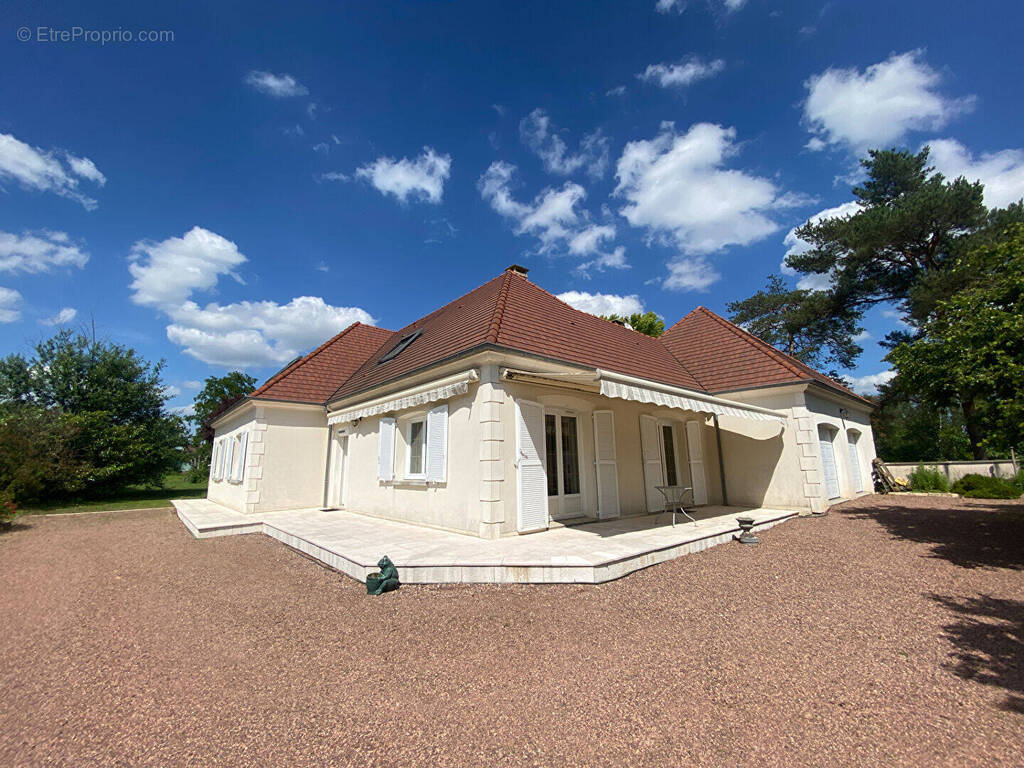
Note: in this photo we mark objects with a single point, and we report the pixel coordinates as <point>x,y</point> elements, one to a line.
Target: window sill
<point>411,482</point>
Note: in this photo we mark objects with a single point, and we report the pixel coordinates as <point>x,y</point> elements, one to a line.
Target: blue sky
<point>236,194</point>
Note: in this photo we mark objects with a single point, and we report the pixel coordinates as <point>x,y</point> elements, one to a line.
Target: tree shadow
<point>988,638</point>
<point>16,525</point>
<point>970,535</point>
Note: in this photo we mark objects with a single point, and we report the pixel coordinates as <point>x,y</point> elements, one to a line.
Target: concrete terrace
<point>589,554</point>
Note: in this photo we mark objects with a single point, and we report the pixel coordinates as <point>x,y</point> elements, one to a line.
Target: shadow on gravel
<point>17,525</point>
<point>988,636</point>
<point>975,536</point>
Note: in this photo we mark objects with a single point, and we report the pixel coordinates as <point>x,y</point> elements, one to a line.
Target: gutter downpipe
<point>721,460</point>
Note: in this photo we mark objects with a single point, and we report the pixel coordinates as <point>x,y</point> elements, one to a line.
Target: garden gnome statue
<point>388,576</point>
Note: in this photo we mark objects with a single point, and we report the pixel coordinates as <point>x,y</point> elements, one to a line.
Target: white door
<point>828,462</point>
<point>562,463</point>
<point>654,474</point>
<point>336,479</point>
<point>531,479</point>
<point>858,481</point>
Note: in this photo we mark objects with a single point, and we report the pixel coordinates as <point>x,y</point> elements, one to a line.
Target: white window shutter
<point>243,443</point>
<point>695,453</point>
<point>219,472</point>
<point>386,450</point>
<point>531,479</point>
<point>654,473</point>
<point>214,458</point>
<point>437,444</point>
<point>229,462</point>
<point>606,465</point>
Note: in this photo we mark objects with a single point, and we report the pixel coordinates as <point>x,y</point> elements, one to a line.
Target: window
<point>416,443</point>
<point>570,457</point>
<point>671,473</point>
<point>561,450</point>
<point>396,350</point>
<point>214,459</point>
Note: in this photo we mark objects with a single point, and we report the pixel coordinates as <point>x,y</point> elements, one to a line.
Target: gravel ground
<point>889,632</point>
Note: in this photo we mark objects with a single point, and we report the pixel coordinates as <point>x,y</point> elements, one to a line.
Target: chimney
<point>620,322</point>
<point>517,269</point>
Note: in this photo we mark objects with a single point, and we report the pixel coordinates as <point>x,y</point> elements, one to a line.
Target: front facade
<point>508,412</point>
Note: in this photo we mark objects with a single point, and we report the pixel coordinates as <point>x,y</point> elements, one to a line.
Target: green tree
<point>911,221</point>
<point>217,394</point>
<point>647,323</point>
<point>801,323</point>
<point>100,409</point>
<point>970,352</point>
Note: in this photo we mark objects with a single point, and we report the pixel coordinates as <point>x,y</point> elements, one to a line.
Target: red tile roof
<point>702,352</point>
<point>512,312</point>
<point>724,357</point>
<point>315,377</point>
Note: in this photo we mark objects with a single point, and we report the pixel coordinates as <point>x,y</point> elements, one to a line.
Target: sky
<point>228,185</point>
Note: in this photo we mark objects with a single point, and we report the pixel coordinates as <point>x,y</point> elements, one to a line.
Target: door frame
<point>556,502</point>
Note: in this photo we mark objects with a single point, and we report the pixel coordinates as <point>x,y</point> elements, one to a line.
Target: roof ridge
<point>304,359</point>
<point>308,358</point>
<point>798,367</point>
<point>499,309</point>
<point>680,320</point>
<point>780,357</point>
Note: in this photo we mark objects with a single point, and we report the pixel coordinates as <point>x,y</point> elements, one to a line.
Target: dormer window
<point>396,350</point>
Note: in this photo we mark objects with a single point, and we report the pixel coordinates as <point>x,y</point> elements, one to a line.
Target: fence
<point>954,470</point>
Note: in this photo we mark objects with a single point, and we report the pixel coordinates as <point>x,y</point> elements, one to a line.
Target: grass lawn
<point>176,486</point>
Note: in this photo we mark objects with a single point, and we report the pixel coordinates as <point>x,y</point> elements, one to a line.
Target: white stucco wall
<point>284,462</point>
<point>452,505</point>
<point>765,468</point>
<point>224,491</point>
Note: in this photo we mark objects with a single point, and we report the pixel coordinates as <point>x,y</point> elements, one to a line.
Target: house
<point>507,411</point>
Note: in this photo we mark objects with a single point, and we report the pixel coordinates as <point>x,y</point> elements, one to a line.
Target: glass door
<point>562,465</point>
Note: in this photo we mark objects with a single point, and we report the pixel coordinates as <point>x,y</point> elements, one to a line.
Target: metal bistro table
<point>675,496</point>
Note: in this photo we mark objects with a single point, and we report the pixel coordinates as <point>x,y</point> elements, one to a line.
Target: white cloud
<point>876,108</point>
<point>690,273</point>
<point>86,168</point>
<point>1001,172</point>
<point>64,316</point>
<point>240,334</point>
<point>39,252</point>
<point>184,410</point>
<point>422,178</point>
<point>279,86</point>
<point>536,132</point>
<point>166,273</point>
<point>335,176</point>
<point>682,73</point>
<point>667,6</point>
<point>10,305</point>
<point>619,90</point>
<point>603,303</point>
<point>43,170</point>
<point>170,391</point>
<point>862,336</point>
<point>554,218</point>
<point>191,384</point>
<point>868,385</point>
<point>675,185</point>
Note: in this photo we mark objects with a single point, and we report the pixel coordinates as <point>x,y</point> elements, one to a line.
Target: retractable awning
<point>643,391</point>
<point>440,389</point>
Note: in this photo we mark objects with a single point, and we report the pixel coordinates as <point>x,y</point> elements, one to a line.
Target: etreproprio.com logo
<point>76,34</point>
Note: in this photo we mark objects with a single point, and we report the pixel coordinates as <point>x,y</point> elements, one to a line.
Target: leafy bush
<point>83,418</point>
<point>927,480</point>
<point>986,487</point>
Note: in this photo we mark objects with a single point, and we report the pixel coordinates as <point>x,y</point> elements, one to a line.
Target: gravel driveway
<point>890,632</point>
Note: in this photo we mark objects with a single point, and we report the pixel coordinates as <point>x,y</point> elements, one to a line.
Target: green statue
<point>388,579</point>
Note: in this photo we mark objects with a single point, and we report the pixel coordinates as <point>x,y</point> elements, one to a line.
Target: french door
<point>562,464</point>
